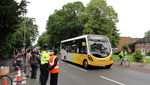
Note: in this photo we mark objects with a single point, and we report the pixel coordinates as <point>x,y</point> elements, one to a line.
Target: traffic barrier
<point>19,77</point>
<point>144,61</point>
<point>5,82</point>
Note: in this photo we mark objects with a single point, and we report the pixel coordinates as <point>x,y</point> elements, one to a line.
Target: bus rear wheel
<point>85,64</point>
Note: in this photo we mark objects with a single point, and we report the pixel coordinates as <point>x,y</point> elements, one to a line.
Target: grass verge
<point>130,58</point>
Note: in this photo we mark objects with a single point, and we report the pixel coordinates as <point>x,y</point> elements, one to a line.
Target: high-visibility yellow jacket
<point>44,57</point>
<point>122,53</point>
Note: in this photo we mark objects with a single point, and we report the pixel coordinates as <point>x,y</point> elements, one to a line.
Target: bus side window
<point>83,50</point>
<point>77,50</point>
<point>82,46</point>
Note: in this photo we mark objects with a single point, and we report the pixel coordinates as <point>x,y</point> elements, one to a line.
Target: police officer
<point>54,68</point>
<point>44,58</point>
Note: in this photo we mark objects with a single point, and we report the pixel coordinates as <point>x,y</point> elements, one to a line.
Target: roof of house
<point>143,40</point>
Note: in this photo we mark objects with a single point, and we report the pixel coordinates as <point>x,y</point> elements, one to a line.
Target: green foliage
<point>131,46</point>
<point>148,53</point>
<point>98,18</point>
<point>43,39</point>
<point>147,33</point>
<point>125,47</point>
<point>10,11</point>
<point>16,39</point>
<point>137,56</point>
<point>31,32</point>
<point>75,20</point>
<point>64,24</point>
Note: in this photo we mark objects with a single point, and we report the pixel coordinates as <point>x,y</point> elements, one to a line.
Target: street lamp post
<point>24,44</point>
<point>146,45</point>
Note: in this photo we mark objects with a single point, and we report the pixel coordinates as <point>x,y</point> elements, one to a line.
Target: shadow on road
<point>90,67</point>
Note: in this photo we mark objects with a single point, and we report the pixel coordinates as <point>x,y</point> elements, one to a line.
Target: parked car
<point>51,52</point>
<point>117,53</point>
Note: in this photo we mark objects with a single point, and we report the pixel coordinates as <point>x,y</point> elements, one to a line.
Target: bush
<point>137,56</point>
<point>148,53</point>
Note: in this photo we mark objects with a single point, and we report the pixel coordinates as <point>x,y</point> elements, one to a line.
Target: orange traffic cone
<point>19,77</point>
<point>5,82</point>
<point>144,61</point>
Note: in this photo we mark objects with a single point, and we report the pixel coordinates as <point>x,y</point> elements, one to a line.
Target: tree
<point>125,47</point>
<point>64,24</point>
<point>147,33</point>
<point>43,39</point>
<point>31,32</point>
<point>98,18</point>
<point>137,56</point>
<point>10,12</point>
<point>16,40</point>
<point>132,47</point>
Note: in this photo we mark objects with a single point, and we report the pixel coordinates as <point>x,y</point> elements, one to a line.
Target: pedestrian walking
<point>34,65</point>
<point>54,68</point>
<point>27,63</point>
<point>44,58</point>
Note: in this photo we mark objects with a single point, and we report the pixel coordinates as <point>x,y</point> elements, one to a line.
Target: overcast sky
<point>133,15</point>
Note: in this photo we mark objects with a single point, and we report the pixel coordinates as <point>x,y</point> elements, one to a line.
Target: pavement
<point>141,67</point>
<point>6,62</point>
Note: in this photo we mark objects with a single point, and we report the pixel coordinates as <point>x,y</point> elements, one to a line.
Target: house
<point>143,44</point>
<point>126,40</point>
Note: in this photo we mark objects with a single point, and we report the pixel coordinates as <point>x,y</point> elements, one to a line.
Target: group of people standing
<point>48,64</point>
<point>31,63</point>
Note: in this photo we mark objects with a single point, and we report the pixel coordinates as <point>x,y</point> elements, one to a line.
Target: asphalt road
<point>72,74</point>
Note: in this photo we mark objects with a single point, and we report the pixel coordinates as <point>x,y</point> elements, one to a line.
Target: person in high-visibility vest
<point>44,58</point>
<point>54,68</point>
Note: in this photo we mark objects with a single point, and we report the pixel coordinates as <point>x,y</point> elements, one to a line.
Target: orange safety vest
<point>51,63</point>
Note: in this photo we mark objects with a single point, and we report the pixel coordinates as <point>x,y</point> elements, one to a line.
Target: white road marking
<point>112,80</point>
<point>77,68</point>
<point>14,81</point>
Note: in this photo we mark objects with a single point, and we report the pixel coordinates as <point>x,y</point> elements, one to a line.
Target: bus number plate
<point>101,65</point>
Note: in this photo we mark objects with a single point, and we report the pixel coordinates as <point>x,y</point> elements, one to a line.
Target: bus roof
<point>79,37</point>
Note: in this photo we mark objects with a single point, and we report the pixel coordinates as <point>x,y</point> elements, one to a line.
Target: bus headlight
<point>89,57</point>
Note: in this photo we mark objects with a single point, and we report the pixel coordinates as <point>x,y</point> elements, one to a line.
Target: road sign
<point>24,44</point>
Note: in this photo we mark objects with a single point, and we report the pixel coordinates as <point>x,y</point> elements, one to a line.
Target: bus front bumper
<point>100,63</point>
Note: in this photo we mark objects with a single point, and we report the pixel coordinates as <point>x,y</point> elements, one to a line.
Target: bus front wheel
<point>108,66</point>
<point>65,59</point>
<point>85,64</point>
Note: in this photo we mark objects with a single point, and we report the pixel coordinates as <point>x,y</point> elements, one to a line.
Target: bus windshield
<point>99,46</point>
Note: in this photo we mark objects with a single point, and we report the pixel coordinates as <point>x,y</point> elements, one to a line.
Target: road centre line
<point>77,68</point>
<point>112,80</point>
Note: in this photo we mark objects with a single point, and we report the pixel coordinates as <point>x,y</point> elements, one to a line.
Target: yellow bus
<point>87,50</point>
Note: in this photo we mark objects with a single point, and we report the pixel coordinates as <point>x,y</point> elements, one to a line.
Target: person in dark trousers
<point>44,58</point>
<point>34,65</point>
<point>54,68</point>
